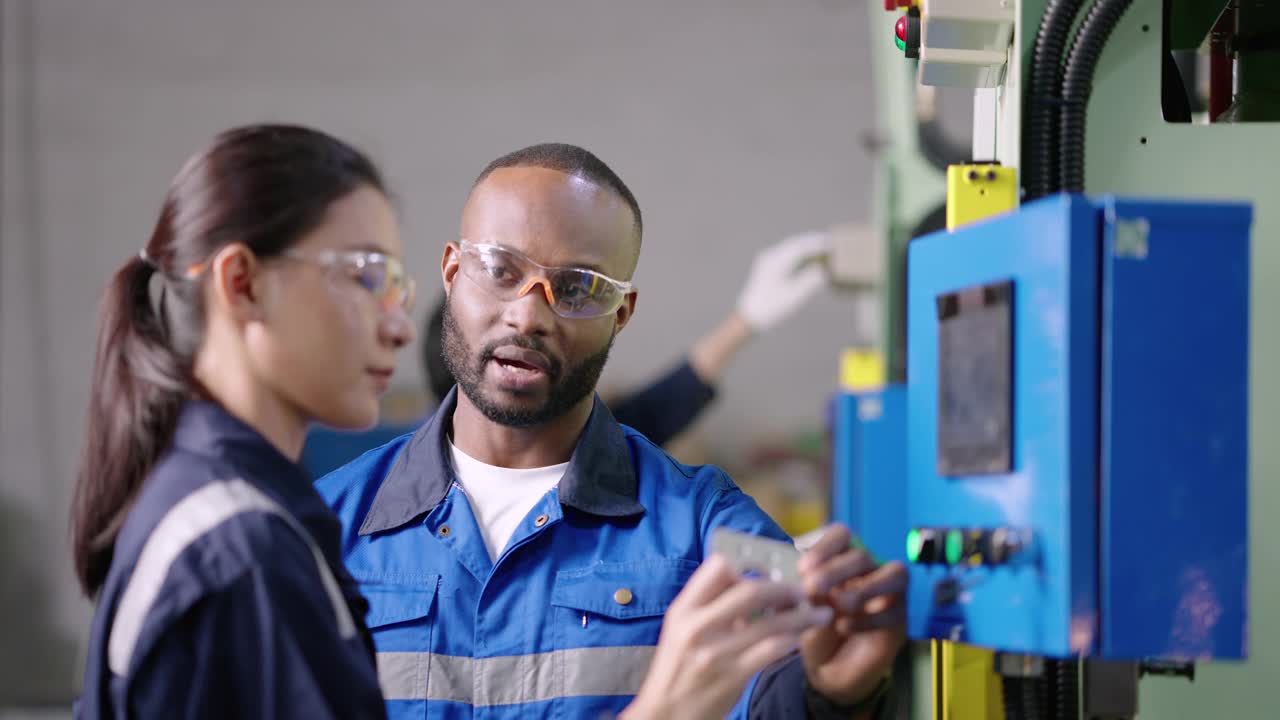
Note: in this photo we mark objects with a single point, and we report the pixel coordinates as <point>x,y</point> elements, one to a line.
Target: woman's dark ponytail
<point>139,385</point>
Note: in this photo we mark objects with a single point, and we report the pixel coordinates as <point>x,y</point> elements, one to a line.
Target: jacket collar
<point>600,479</point>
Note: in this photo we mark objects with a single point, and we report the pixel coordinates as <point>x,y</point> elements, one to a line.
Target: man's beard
<point>566,387</point>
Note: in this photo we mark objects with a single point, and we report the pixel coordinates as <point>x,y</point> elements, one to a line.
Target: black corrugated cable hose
<point>1024,698</point>
<point>1039,153</point>
<point>1033,695</point>
<point>1077,86</point>
<point>1013,691</point>
<point>1048,700</point>
<point>1068,688</point>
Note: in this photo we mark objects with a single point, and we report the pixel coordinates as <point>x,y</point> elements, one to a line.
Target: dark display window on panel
<point>975,380</point>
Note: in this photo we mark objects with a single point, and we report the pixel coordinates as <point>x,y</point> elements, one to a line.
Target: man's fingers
<point>747,598</point>
<point>881,602</point>
<point>833,542</point>
<point>837,571</point>
<point>787,622</point>
<point>821,642</point>
<point>760,655</point>
<point>893,617</point>
<point>887,580</point>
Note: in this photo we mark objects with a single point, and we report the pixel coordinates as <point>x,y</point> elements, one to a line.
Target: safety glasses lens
<point>578,293</point>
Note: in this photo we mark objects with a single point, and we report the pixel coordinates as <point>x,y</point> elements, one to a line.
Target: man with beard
<point>520,550</point>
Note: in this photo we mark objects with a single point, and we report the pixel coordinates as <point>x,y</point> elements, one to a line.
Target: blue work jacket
<point>564,623</point>
<point>226,595</point>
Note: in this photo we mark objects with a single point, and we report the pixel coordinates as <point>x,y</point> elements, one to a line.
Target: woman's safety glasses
<point>382,275</point>
<point>573,293</point>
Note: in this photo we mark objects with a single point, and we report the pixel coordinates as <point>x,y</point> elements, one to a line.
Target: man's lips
<point>522,358</point>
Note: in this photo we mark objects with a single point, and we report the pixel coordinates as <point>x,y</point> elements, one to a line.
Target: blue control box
<point>869,469</point>
<point>1077,430</point>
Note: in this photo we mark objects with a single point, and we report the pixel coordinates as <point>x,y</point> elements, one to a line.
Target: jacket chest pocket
<point>615,604</point>
<point>606,621</point>
<point>402,620</point>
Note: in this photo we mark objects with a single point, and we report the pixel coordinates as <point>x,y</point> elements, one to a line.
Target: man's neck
<point>494,444</point>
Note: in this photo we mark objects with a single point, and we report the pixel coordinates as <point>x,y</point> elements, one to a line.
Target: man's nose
<point>528,314</point>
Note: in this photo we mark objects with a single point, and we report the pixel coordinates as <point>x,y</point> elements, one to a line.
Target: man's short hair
<point>571,160</point>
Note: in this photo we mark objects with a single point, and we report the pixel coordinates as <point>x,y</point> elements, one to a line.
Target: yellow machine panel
<point>975,192</point>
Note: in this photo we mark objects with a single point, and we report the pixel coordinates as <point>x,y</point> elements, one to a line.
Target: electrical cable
<point>1040,142</point>
<point>1077,86</point>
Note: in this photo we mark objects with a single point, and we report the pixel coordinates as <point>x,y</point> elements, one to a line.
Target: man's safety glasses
<point>573,293</point>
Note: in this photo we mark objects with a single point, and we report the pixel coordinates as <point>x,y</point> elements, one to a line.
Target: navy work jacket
<point>226,595</point>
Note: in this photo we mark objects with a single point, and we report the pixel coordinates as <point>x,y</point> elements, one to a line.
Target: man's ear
<point>234,278</point>
<point>450,264</point>
<point>623,314</point>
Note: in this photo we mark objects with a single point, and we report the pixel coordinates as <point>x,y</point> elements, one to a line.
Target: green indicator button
<point>913,546</point>
<point>954,547</point>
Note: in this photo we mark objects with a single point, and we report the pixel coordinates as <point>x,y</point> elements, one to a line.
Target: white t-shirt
<point>501,497</point>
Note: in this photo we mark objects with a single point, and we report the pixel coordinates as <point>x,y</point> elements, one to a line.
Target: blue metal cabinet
<point>1077,381</point>
<point>869,489</point>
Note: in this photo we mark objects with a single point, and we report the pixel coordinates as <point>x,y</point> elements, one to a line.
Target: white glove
<point>782,278</point>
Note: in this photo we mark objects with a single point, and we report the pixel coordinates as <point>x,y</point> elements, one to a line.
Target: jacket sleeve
<point>667,407</point>
<point>782,692</point>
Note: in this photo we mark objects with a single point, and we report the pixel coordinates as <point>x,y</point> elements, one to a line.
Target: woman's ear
<point>234,277</point>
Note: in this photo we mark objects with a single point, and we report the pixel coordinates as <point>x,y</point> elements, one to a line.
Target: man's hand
<point>846,659</point>
<point>718,632</point>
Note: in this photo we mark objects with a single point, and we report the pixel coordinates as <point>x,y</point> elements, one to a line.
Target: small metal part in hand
<point>767,558</point>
